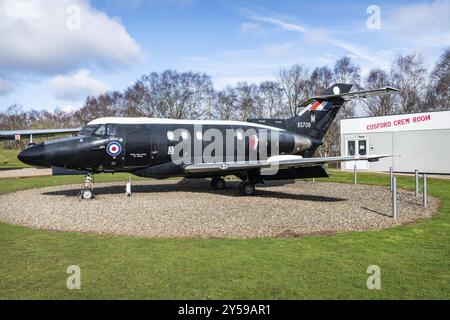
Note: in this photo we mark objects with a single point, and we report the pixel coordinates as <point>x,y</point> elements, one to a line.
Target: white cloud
<point>253,65</point>
<point>321,35</point>
<point>5,87</point>
<point>424,24</point>
<point>249,27</point>
<point>76,86</point>
<point>138,3</point>
<point>35,37</point>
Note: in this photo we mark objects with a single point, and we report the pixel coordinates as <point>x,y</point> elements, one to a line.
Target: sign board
<point>401,122</point>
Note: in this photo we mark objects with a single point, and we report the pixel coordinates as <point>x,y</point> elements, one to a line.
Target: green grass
<point>414,260</point>
<point>8,159</point>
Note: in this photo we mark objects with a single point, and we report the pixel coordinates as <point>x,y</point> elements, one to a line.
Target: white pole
<point>417,182</point>
<point>354,174</point>
<point>394,197</point>
<point>128,187</point>
<point>425,196</point>
<point>391,175</point>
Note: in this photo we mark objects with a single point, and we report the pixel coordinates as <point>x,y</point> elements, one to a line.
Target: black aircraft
<point>254,151</point>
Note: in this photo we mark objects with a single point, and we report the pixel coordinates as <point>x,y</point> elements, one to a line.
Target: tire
<point>247,188</point>
<point>87,194</point>
<point>218,183</point>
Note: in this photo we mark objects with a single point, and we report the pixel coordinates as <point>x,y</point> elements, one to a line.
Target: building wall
<point>381,143</point>
<point>424,146</point>
<point>427,151</point>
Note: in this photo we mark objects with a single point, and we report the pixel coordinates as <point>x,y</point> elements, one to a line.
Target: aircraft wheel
<point>247,188</point>
<point>87,194</point>
<point>218,183</point>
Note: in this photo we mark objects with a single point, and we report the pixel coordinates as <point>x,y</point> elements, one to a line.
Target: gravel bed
<point>25,172</point>
<point>189,208</point>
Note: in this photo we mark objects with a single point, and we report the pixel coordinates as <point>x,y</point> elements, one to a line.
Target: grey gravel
<point>25,172</point>
<point>189,208</point>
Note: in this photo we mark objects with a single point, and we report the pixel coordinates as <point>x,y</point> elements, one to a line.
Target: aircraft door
<point>159,141</point>
<point>138,149</point>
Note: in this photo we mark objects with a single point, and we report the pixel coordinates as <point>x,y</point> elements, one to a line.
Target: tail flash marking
<point>319,105</point>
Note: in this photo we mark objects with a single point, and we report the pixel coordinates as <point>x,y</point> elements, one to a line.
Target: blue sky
<point>54,53</point>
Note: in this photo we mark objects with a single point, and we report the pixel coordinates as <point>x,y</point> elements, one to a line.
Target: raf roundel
<point>113,149</point>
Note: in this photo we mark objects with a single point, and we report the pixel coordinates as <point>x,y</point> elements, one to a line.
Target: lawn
<point>414,260</point>
<point>8,159</point>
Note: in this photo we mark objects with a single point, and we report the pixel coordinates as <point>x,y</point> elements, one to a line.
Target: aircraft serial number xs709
<point>254,151</point>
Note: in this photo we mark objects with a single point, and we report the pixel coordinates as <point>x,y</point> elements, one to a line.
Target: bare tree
<point>108,104</point>
<point>438,91</point>
<point>13,118</point>
<point>295,84</point>
<point>383,105</point>
<point>246,101</point>
<point>225,105</point>
<point>270,100</point>
<point>408,74</point>
<point>321,79</point>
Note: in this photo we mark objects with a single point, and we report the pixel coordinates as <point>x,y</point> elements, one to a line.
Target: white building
<point>416,141</point>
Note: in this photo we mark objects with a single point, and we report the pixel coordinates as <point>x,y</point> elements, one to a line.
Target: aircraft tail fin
<point>319,112</point>
<point>316,114</point>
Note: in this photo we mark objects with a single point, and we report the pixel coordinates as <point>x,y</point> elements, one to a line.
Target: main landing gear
<point>218,183</point>
<point>247,188</point>
<point>87,189</point>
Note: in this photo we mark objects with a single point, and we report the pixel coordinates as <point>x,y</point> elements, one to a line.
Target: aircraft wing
<point>17,134</point>
<point>283,162</point>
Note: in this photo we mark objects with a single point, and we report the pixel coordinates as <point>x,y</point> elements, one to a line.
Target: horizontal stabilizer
<point>358,94</point>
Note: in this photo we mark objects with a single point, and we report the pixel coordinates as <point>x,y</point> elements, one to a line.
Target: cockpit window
<point>111,129</point>
<point>87,130</point>
<point>101,131</point>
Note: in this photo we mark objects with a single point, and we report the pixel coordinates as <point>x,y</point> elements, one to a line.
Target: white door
<point>357,147</point>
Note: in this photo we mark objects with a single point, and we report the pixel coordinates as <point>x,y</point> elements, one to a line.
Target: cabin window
<point>170,135</point>
<point>101,131</point>
<point>111,129</point>
<point>184,134</point>
<point>87,130</point>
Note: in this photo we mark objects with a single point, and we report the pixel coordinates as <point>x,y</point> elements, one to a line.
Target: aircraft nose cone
<point>33,155</point>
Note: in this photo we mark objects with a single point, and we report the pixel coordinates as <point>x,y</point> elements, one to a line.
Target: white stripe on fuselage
<point>120,120</point>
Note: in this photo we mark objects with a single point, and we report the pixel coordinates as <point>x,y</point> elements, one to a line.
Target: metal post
<point>128,187</point>
<point>425,196</point>
<point>417,182</point>
<point>314,180</point>
<point>354,175</point>
<point>394,198</point>
<point>31,138</point>
<point>391,175</point>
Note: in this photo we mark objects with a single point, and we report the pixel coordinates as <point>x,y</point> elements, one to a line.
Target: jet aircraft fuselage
<point>254,151</point>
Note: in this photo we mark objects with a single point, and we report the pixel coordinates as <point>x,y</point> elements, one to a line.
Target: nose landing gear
<point>87,189</point>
